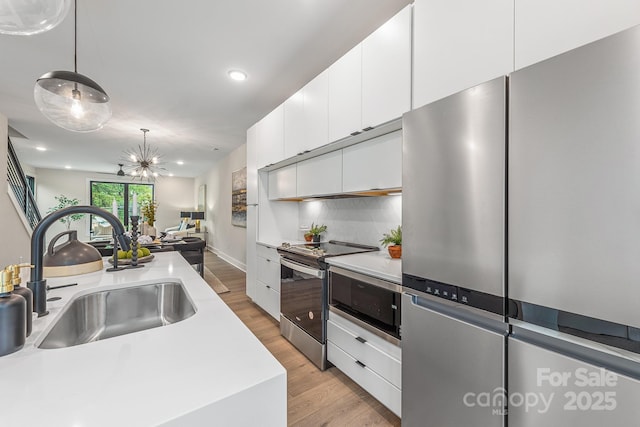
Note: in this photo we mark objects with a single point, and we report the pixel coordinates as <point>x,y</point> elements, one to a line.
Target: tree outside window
<point>103,195</point>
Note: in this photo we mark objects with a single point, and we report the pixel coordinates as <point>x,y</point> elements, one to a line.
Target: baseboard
<point>236,263</point>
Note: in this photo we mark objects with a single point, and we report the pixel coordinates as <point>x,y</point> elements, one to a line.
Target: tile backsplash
<point>359,220</point>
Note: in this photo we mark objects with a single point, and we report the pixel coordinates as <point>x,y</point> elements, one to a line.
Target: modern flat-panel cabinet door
<point>294,129</point>
<point>316,113</point>
<point>252,165</point>
<point>282,183</point>
<point>386,71</point>
<point>373,165</point>
<point>458,44</point>
<point>271,137</point>
<point>320,175</point>
<point>545,28</point>
<point>345,95</point>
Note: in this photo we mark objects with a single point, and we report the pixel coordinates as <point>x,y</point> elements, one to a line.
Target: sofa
<point>180,230</point>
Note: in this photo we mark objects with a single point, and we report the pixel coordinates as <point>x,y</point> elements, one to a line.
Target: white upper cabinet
<point>294,130</point>
<point>373,165</point>
<point>316,113</point>
<point>320,175</point>
<point>271,138</point>
<point>345,95</point>
<point>282,183</point>
<point>545,28</point>
<point>386,71</point>
<point>252,165</point>
<point>461,43</point>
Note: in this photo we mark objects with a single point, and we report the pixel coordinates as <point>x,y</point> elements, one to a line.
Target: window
<point>103,195</point>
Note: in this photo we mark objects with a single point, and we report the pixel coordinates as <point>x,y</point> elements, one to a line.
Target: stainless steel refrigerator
<point>453,329</point>
<point>531,203</point>
<point>574,236</point>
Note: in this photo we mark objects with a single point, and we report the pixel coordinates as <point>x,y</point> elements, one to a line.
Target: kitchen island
<point>208,369</point>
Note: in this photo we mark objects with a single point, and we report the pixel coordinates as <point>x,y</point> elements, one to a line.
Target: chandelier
<point>143,163</point>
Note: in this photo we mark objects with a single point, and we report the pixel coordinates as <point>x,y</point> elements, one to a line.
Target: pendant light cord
<point>75,36</point>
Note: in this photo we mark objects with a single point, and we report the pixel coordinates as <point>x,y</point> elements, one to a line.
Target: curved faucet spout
<point>37,284</point>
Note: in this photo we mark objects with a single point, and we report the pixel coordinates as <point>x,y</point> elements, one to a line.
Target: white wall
<point>172,195</point>
<point>358,220</point>
<point>16,238</point>
<point>228,241</point>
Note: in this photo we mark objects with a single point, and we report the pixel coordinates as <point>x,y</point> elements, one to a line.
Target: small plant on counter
<point>393,242</point>
<point>315,231</point>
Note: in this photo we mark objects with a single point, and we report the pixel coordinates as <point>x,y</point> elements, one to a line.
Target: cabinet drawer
<point>268,298</point>
<point>378,387</point>
<point>268,252</point>
<point>269,272</point>
<point>366,352</point>
<point>383,345</point>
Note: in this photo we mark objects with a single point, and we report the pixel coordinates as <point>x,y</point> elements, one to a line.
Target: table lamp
<point>197,216</point>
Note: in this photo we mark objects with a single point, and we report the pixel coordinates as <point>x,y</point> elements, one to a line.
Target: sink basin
<point>106,314</point>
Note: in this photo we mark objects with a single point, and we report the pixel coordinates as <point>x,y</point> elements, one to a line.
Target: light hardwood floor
<point>314,398</point>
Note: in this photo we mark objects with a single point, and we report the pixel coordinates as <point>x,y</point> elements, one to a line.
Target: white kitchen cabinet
<point>252,165</point>
<point>252,214</point>
<point>252,255</point>
<point>375,164</point>
<point>282,183</point>
<point>316,113</point>
<point>545,28</point>
<point>267,291</point>
<point>320,175</point>
<point>345,95</point>
<point>372,362</point>
<point>386,71</point>
<point>459,44</point>
<point>294,124</point>
<point>270,142</point>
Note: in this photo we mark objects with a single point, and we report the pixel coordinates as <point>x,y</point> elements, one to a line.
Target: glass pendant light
<point>24,18</point>
<point>71,100</point>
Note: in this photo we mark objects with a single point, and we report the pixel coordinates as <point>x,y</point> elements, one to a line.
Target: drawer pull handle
<point>362,340</point>
<point>359,363</point>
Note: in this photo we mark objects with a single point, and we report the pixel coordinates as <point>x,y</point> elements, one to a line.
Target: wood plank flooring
<point>314,398</point>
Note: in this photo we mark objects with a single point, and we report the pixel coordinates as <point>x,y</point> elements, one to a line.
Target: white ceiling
<point>164,64</point>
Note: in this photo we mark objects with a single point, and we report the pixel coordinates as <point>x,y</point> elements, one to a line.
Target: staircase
<point>18,183</point>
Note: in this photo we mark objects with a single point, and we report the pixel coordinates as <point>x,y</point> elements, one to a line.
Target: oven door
<point>302,297</point>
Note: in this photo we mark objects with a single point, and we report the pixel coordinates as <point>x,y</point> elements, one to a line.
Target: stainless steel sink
<point>116,312</point>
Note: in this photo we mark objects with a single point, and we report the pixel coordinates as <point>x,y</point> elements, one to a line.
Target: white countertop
<point>376,264</point>
<point>208,369</point>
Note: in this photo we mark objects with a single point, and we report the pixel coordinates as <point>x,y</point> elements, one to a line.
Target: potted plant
<point>393,242</point>
<point>65,202</point>
<point>314,232</point>
<point>148,210</point>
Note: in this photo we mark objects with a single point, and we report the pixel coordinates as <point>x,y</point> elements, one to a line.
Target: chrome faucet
<point>37,284</point>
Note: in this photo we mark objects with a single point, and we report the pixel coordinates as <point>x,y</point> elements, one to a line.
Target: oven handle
<point>303,268</point>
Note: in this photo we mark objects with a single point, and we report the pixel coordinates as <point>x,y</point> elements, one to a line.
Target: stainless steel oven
<point>302,308</point>
<point>372,303</point>
<point>303,294</point>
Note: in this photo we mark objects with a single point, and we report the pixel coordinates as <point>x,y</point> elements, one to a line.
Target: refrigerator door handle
<point>460,312</point>
<point>577,348</point>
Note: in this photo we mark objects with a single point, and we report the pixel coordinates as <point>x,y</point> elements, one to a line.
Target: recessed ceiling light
<point>170,174</point>
<point>41,149</point>
<point>180,162</point>
<point>67,167</point>
<point>237,75</point>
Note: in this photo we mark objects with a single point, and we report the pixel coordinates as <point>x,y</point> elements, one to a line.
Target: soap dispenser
<point>23,291</point>
<point>13,316</point>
